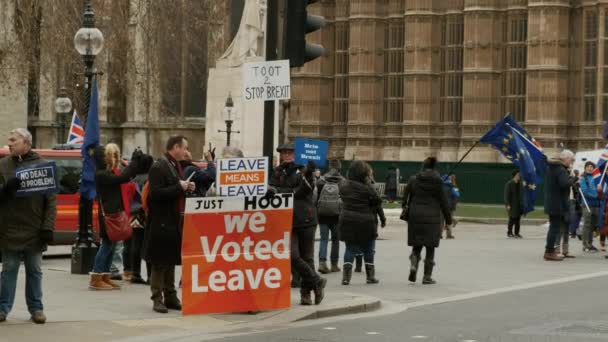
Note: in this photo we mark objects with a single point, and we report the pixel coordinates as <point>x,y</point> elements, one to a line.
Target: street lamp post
<point>88,41</point>
<point>63,107</point>
<point>228,112</point>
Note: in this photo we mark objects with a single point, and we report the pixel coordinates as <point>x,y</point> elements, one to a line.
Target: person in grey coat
<point>427,203</point>
<point>513,204</point>
<point>558,184</point>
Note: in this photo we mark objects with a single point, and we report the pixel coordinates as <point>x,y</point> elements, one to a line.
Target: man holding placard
<point>28,221</point>
<point>290,177</point>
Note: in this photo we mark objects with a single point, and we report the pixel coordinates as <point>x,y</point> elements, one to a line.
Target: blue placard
<point>308,149</point>
<point>37,179</point>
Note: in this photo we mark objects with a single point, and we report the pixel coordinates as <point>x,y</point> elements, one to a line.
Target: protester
<point>358,220</point>
<point>329,206</point>
<point>138,223</point>
<point>557,192</point>
<point>576,211</point>
<point>27,228</point>
<point>114,192</point>
<point>453,194</point>
<point>427,203</point>
<point>232,152</point>
<point>513,203</point>
<point>317,175</point>
<point>590,217</point>
<point>166,203</point>
<point>203,179</point>
<point>290,177</point>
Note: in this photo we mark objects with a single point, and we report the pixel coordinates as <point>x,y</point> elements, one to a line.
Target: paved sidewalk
<point>480,260</point>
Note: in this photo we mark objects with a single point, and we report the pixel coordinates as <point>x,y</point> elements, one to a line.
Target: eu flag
<point>91,140</point>
<point>520,148</point>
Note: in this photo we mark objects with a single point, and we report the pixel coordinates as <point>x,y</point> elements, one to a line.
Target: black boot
<point>428,272</point>
<point>370,271</point>
<point>319,291</point>
<point>347,273</point>
<point>305,298</point>
<point>358,262</point>
<point>414,259</point>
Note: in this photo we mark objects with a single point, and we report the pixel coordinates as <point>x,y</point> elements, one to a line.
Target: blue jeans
<point>103,259</point>
<point>368,249</point>
<point>117,257</point>
<point>335,243</point>
<point>33,280</point>
<point>555,223</point>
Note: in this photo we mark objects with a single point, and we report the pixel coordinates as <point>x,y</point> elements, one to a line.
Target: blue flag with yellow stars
<point>523,151</point>
<point>91,140</point>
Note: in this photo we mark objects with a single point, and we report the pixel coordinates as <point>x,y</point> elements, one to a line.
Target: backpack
<point>329,203</point>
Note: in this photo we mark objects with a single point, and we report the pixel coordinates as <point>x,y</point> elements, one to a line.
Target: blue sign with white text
<point>37,179</point>
<point>308,149</point>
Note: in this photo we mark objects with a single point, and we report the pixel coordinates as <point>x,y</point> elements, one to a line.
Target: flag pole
<point>584,199</point>
<point>463,157</point>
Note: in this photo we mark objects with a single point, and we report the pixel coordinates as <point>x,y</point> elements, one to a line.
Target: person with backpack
<point>329,206</point>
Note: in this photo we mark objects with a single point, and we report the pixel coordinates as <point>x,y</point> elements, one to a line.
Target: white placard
<point>242,176</point>
<point>266,81</point>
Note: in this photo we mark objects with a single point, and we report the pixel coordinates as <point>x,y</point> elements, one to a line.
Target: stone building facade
<point>405,79</point>
<point>155,65</point>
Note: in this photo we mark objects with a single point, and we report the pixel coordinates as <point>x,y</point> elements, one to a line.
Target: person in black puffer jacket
<point>292,178</point>
<point>358,223</point>
<point>427,202</point>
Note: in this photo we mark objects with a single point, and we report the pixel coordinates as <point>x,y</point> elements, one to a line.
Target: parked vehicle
<point>68,163</point>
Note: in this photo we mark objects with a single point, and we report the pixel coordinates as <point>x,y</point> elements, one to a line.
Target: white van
<point>584,156</point>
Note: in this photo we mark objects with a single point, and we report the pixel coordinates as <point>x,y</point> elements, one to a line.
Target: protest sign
<point>236,254</point>
<point>242,176</point>
<point>308,149</point>
<point>37,179</point>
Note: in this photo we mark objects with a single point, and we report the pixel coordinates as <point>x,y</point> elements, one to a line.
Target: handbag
<point>117,225</point>
<point>405,212</point>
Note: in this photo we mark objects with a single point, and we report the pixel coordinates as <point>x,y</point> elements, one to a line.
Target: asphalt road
<point>569,312</point>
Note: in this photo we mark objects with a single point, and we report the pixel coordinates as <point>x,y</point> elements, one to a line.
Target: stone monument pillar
<point>226,78</point>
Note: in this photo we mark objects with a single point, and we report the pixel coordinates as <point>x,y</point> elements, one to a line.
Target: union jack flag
<point>598,172</point>
<point>76,135</point>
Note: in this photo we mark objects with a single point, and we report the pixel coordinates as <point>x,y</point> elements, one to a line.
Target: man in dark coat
<point>328,221</point>
<point>289,177</point>
<point>163,237</point>
<point>558,183</point>
<point>27,228</point>
<point>427,203</point>
<point>513,204</point>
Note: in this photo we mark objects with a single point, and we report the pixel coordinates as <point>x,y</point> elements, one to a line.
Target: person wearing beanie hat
<point>429,213</point>
<point>590,217</point>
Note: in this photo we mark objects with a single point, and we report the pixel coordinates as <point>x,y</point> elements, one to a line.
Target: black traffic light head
<point>297,24</point>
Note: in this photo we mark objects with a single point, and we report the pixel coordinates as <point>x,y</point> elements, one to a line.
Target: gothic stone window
<point>516,34</point>
<point>451,66</point>
<point>341,76</point>
<point>394,68</point>
<point>605,66</point>
<point>183,61</point>
<point>590,66</point>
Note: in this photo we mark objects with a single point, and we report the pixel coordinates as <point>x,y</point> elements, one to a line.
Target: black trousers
<point>136,246</point>
<point>514,222</point>
<point>430,253</point>
<point>162,282</point>
<point>302,256</point>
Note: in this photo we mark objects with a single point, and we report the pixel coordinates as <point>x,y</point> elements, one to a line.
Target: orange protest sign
<point>236,254</point>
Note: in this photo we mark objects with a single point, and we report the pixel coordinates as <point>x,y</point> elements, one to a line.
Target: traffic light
<point>297,24</point>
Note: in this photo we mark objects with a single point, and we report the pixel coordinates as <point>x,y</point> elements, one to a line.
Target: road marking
<point>420,337</point>
<point>469,341</point>
<point>502,290</point>
<point>372,333</point>
<point>329,328</point>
